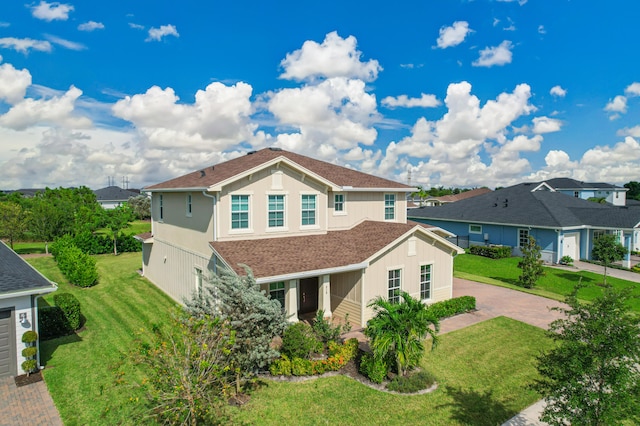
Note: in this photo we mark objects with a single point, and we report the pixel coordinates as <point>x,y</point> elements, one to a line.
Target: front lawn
<point>556,284</point>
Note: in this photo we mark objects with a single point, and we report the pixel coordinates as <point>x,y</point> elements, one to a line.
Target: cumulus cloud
<point>497,55</point>
<point>23,45</point>
<point>453,35</point>
<point>633,89</point>
<point>51,11</point>
<point>13,83</point>
<point>156,34</point>
<point>91,26</point>
<point>424,101</point>
<point>67,44</point>
<point>558,91</point>
<point>335,57</point>
<point>630,131</point>
<point>616,106</point>
<point>546,125</point>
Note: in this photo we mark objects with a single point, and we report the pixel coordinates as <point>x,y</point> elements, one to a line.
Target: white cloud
<point>13,83</point>
<point>52,11</point>
<point>424,101</point>
<point>633,89</point>
<point>335,57</point>
<point>558,91</point>
<point>24,44</point>
<point>136,26</point>
<point>453,35</point>
<point>91,26</point>
<point>497,55</point>
<point>632,131</point>
<point>617,105</point>
<point>520,2</point>
<point>546,125</point>
<point>156,34</point>
<point>71,45</point>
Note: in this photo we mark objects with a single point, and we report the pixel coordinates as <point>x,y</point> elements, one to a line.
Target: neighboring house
<point>20,287</point>
<point>610,193</point>
<point>26,192</point>
<point>316,235</point>
<point>562,225</point>
<point>446,199</point>
<point>113,196</point>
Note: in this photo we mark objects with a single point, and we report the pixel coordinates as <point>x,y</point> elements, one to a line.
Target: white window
<point>598,233</point>
<point>523,237</point>
<point>338,203</point>
<point>425,282</point>
<point>161,202</point>
<point>239,212</point>
<point>389,206</point>
<point>475,229</point>
<point>199,281</point>
<point>276,291</point>
<point>188,207</point>
<point>276,211</point>
<point>308,212</point>
<point>394,281</point>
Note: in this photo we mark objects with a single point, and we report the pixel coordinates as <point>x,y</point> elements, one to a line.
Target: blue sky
<point>464,94</point>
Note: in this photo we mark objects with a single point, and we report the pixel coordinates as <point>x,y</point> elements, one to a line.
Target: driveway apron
<point>28,405</point>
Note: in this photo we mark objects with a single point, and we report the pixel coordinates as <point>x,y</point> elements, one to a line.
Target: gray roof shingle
<point>17,275</point>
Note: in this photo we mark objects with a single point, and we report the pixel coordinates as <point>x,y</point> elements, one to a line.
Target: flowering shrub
<point>339,356</point>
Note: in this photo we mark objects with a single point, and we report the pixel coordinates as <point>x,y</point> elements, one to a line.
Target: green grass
<point>483,372</point>
<point>28,247</point>
<point>89,375</point>
<point>135,227</point>
<point>556,284</point>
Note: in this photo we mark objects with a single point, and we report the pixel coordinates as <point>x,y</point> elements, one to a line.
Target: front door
<point>308,295</point>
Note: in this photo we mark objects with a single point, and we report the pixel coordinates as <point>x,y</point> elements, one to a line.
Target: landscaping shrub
<point>412,383</point>
<point>451,307</point>
<point>78,267</point>
<point>29,337</point>
<point>493,252</point>
<point>70,307</point>
<point>339,356</point>
<point>29,351</point>
<point>566,260</point>
<point>60,244</point>
<point>373,368</point>
<point>29,366</point>
<point>299,341</point>
<point>52,322</point>
<point>91,243</point>
<point>281,366</point>
<point>325,330</point>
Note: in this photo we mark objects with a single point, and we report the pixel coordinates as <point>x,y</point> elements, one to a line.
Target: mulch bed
<point>24,380</point>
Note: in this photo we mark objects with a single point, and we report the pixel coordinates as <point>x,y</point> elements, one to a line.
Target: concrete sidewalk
<point>611,272</point>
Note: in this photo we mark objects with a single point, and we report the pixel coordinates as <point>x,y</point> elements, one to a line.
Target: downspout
<point>215,224</point>
<point>35,327</point>
<point>560,251</point>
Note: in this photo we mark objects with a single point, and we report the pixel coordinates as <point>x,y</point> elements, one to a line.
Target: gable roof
<point>278,257</point>
<point>572,184</point>
<point>211,176</point>
<point>463,195</point>
<point>114,193</point>
<point>520,206</point>
<point>17,276</point>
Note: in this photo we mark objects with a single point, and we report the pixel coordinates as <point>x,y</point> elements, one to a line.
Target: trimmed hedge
<point>79,268</point>
<point>70,307</point>
<point>493,252</point>
<point>91,243</point>
<point>451,307</point>
<point>52,322</point>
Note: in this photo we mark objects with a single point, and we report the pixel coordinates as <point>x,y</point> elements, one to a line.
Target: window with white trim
<point>389,206</point>
<point>276,211</point>
<point>239,212</point>
<point>475,229</point>
<point>394,284</point>
<point>189,205</point>
<point>161,204</point>
<point>338,202</point>
<point>199,280</point>
<point>523,237</point>
<point>425,282</point>
<point>276,291</point>
<point>598,233</point>
<point>308,211</point>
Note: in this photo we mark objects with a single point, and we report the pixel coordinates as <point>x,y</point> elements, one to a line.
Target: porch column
<point>626,263</point>
<point>324,294</point>
<point>291,301</point>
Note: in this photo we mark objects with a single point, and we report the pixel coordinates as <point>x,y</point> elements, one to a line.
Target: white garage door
<point>7,342</point>
<point>571,245</point>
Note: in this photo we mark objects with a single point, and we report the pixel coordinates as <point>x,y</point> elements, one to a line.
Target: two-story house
<point>315,235</point>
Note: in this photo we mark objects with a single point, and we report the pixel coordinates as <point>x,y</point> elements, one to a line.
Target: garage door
<point>7,342</point>
<point>571,245</point>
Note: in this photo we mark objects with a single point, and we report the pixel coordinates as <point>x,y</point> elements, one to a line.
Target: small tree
<point>607,249</point>
<point>398,330</point>
<point>592,376</point>
<point>13,221</point>
<point>117,219</point>
<point>256,319</point>
<point>141,206</point>
<point>531,264</point>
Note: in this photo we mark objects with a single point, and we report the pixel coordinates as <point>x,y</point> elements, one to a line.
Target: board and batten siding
<point>346,294</point>
<point>408,255</point>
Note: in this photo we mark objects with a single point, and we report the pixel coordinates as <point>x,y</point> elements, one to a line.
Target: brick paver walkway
<point>28,405</point>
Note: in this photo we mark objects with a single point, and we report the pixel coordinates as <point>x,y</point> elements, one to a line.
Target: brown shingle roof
<point>339,175</point>
<point>279,256</point>
<point>463,195</point>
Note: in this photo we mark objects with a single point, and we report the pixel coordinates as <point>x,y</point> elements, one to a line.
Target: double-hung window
<point>389,206</point>
<point>394,279</point>
<point>276,211</point>
<point>338,203</point>
<point>308,212</point>
<point>523,237</point>
<point>239,212</point>
<point>425,282</point>
<point>276,291</point>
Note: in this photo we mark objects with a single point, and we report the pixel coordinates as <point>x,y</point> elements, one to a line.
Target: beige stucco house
<point>316,235</point>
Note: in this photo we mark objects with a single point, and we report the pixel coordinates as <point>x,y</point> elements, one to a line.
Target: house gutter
<point>314,273</point>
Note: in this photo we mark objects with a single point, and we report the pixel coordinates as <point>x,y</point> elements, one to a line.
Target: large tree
<point>255,318</point>
<point>592,376</point>
<point>13,221</point>
<point>398,330</point>
<point>634,190</point>
<point>141,206</point>
<point>607,249</point>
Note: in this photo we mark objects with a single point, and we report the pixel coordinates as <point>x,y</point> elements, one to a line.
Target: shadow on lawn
<point>476,408</point>
<point>48,347</point>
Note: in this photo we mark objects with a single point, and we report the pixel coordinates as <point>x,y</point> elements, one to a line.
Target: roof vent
<point>213,167</point>
<point>275,149</point>
<point>251,152</point>
<point>202,173</point>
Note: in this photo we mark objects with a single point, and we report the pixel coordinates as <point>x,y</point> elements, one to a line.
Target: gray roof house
<point>562,224</point>
<point>20,286</point>
<point>612,194</point>
<point>113,196</point>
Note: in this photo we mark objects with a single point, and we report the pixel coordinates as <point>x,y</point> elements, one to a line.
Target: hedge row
<point>451,307</point>
<point>339,355</point>
<point>494,252</point>
<point>78,267</point>
<point>61,319</point>
<point>101,244</point>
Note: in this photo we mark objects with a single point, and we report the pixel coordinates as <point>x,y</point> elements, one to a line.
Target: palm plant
<point>398,330</point>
